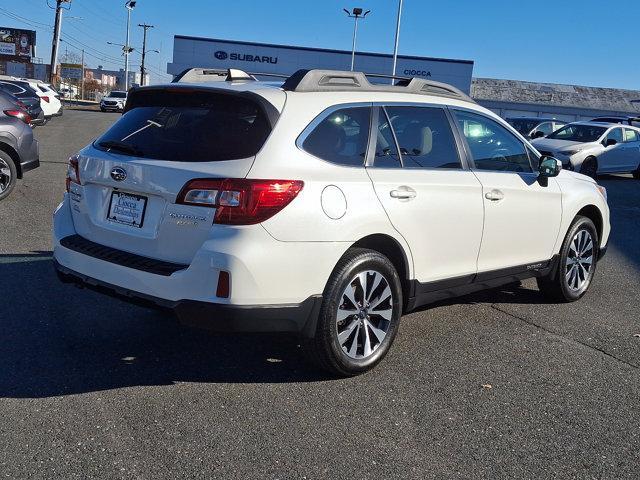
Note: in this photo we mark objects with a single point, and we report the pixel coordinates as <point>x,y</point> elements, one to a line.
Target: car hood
<point>554,145</point>
<point>577,176</point>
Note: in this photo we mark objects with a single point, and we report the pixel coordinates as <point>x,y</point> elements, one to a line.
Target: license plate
<point>127,209</point>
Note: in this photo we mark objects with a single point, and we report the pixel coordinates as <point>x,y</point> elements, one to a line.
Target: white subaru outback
<point>326,206</point>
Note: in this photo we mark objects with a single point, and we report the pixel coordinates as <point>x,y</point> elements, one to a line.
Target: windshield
<point>188,127</point>
<point>523,125</point>
<point>118,94</point>
<point>579,133</point>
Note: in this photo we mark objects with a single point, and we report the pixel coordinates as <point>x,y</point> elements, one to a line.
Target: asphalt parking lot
<point>494,385</point>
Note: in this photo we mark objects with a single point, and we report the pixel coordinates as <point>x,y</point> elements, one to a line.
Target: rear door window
<point>341,137</point>
<point>188,126</point>
<point>424,137</point>
<point>386,154</point>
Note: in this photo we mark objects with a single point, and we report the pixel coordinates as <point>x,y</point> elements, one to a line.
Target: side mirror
<point>610,142</point>
<point>538,134</point>
<point>549,167</point>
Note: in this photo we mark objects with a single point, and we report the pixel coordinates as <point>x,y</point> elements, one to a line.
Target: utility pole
<point>82,81</point>
<point>55,44</point>
<point>144,50</point>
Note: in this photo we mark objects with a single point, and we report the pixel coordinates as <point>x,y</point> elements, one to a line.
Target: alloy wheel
<point>580,259</point>
<point>5,175</point>
<point>364,314</point>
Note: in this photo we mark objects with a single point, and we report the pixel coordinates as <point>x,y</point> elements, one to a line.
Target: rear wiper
<point>120,147</point>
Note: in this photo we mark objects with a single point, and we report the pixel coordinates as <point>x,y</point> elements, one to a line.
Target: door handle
<point>494,195</point>
<point>403,193</point>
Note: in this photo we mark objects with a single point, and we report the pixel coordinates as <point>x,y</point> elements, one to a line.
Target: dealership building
<point>508,98</point>
<point>283,59</point>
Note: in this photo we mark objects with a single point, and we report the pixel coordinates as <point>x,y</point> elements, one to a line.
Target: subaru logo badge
<point>220,55</point>
<point>118,174</point>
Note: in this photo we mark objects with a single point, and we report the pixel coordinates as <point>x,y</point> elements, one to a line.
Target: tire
<point>8,175</point>
<point>102,109</point>
<point>358,341</point>
<point>573,274</point>
<point>590,167</point>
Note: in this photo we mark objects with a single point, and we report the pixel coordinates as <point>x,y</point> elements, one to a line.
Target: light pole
<point>397,40</point>
<point>356,13</point>
<point>130,5</point>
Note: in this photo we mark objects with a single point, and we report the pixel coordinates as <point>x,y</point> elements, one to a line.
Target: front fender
<point>578,193</point>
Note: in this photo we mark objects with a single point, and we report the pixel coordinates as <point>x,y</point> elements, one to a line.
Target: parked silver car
<point>594,147</point>
<point>18,148</point>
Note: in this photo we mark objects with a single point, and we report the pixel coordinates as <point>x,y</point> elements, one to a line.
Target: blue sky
<point>585,42</point>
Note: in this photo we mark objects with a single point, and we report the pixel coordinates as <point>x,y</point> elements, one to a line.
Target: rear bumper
<point>274,285</point>
<point>298,318</point>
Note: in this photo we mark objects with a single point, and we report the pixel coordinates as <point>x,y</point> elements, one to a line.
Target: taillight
<point>21,105</point>
<point>45,98</point>
<point>73,173</point>
<point>19,114</point>
<point>240,201</point>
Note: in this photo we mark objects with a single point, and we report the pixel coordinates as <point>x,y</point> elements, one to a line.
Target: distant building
<point>134,77</point>
<point>512,98</point>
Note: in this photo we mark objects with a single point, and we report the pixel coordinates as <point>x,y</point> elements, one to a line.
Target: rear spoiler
<point>135,97</point>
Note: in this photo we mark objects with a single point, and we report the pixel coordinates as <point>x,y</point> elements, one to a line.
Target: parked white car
<point>114,101</point>
<point>326,207</point>
<point>594,147</point>
<point>49,98</point>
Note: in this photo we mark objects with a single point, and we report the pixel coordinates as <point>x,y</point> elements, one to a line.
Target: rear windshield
<point>188,126</point>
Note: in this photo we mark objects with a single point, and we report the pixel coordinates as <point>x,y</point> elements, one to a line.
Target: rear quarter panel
<point>305,219</point>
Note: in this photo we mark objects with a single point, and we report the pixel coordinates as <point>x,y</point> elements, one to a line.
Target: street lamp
<point>356,13</point>
<point>130,5</point>
<point>397,39</point>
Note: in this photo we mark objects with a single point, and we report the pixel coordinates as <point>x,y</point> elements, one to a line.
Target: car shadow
<point>60,340</point>
<point>623,193</point>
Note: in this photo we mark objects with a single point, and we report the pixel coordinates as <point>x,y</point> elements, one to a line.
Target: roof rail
<point>338,80</point>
